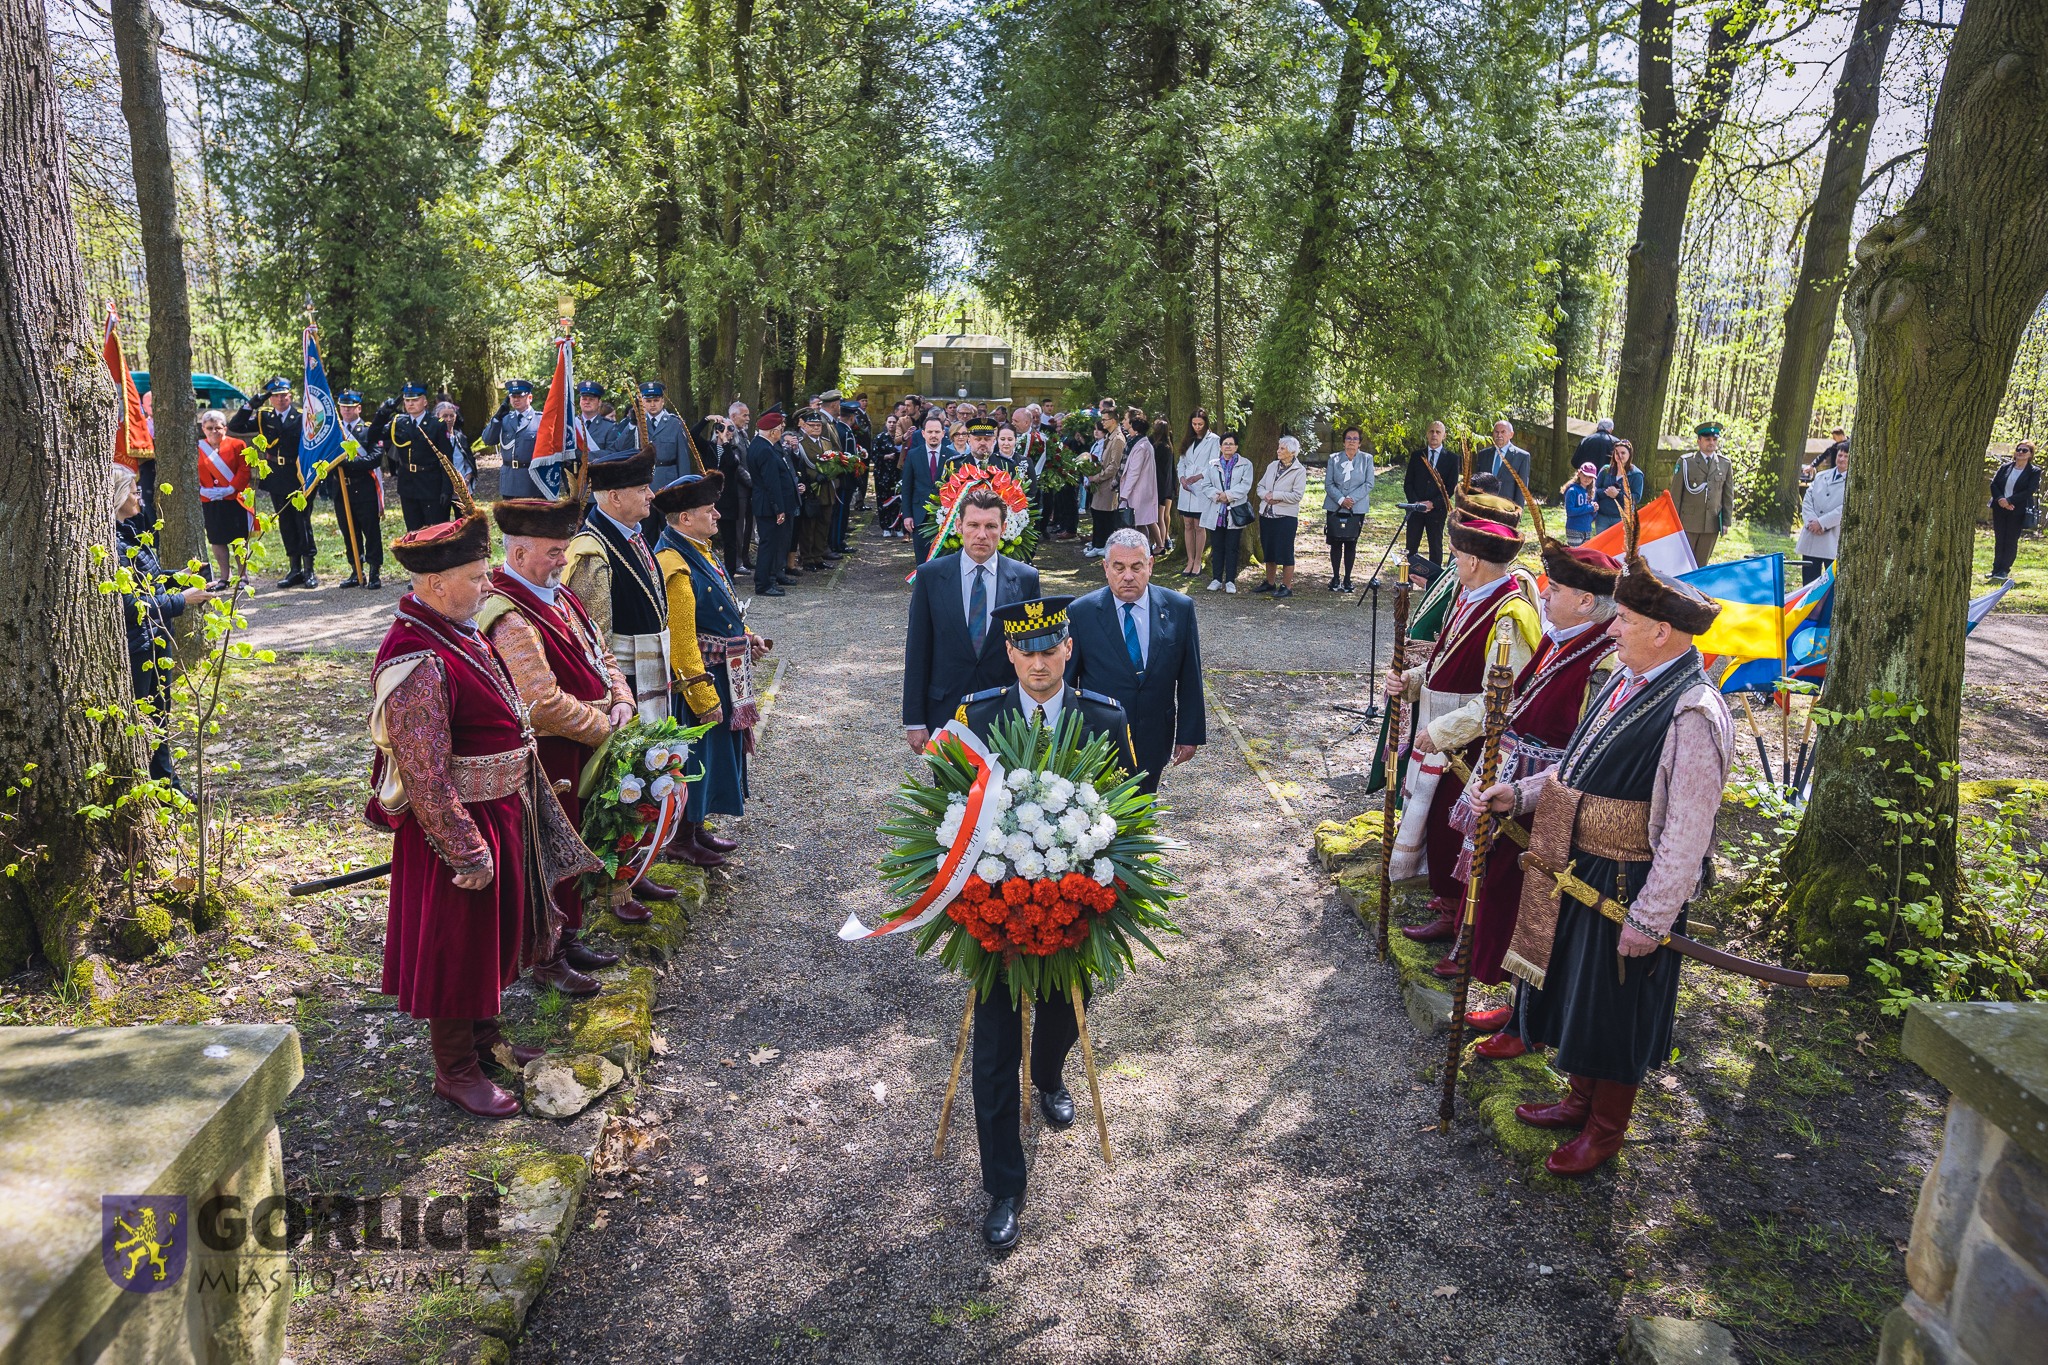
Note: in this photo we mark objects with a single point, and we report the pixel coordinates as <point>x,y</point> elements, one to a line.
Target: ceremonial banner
<point>320,437</point>
<point>562,443</point>
<point>1660,539</point>
<point>132,440</point>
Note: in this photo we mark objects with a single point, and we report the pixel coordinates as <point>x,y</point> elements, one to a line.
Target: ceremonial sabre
<point>335,883</point>
<point>1390,761</point>
<point>1500,683</point>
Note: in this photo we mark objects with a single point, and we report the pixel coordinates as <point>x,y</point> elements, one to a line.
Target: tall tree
<point>1283,368</point>
<point>180,537</point>
<point>1824,267</point>
<point>1941,293</point>
<point>65,652</point>
<point>1675,140</point>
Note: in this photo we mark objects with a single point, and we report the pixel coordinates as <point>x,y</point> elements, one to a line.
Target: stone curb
<point>546,1190</point>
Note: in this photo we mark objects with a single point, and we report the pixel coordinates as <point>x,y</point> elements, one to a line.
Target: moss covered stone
<point>617,1022</point>
<point>1357,840</point>
<point>141,934</point>
<point>1494,1088</point>
<point>660,937</point>
<point>1999,789</point>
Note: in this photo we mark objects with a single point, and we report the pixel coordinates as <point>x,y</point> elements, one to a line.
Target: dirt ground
<point>1279,1191</point>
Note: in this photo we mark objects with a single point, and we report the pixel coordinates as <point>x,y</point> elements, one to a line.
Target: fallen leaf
<point>1443,1291</point>
<point>1668,1082</point>
<point>659,1044</point>
<point>728,1061</point>
<point>603,1219</point>
<point>701,1180</point>
<point>881,1091</point>
<point>1782,1156</point>
<point>1886,1189</point>
<point>762,1055</point>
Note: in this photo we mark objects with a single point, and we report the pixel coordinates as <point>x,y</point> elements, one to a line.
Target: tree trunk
<point>1553,474</point>
<point>62,649</point>
<point>834,358</point>
<point>1941,293</point>
<point>180,537</point>
<point>1810,316</point>
<point>1674,144</point>
<point>1283,363</point>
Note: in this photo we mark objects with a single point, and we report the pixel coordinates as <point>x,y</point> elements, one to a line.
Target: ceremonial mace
<point>1390,761</point>
<point>1500,683</point>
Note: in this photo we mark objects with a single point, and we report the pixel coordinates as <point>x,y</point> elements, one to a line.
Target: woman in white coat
<point>1226,484</point>
<point>1202,446</point>
<point>1820,518</point>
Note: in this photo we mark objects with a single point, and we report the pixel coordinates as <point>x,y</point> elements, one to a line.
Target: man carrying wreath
<point>1035,635</point>
<point>573,689</point>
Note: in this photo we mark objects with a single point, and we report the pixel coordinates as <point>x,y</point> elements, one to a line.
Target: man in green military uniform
<point>1036,635</point>
<point>1703,492</point>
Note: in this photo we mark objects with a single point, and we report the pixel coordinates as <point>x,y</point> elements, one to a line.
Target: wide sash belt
<point>1608,828</point>
<point>487,777</point>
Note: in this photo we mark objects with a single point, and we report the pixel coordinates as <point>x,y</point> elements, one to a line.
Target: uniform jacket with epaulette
<point>1100,715</point>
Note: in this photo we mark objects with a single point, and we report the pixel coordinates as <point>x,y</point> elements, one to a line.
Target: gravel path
<point>1275,1197</point>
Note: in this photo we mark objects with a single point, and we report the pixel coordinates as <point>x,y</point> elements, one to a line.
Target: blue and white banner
<point>320,438</point>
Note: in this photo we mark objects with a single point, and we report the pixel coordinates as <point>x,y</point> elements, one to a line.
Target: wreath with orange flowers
<point>1061,852</point>
<point>1020,531</point>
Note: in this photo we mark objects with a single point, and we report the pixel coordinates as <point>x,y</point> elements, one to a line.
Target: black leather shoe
<point>311,580</point>
<point>376,579</point>
<point>349,582</point>
<point>777,591</point>
<point>999,1229</point>
<point>1057,1106</point>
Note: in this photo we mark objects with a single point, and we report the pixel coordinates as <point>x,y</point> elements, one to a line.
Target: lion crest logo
<point>142,1240</point>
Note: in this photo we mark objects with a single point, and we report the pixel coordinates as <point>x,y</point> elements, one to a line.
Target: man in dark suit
<point>1422,489</point>
<point>1035,641</point>
<point>1504,455</point>
<point>953,647</point>
<point>776,503</point>
<point>1139,643</point>
<point>924,469</point>
<point>281,425</point>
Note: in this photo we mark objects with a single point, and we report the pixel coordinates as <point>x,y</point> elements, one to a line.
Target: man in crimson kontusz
<point>1495,605</point>
<point>574,692</point>
<point>1035,634</point>
<point>1630,811</point>
<point>460,785</point>
<point>1551,695</point>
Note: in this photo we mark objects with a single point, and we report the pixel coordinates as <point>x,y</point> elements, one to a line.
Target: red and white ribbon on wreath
<point>977,822</point>
<point>664,825</point>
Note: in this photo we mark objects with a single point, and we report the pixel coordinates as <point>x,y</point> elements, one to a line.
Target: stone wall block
<point>1999,1313</point>
<point>2014,1204</point>
<point>1915,1334</point>
<point>1947,1197</point>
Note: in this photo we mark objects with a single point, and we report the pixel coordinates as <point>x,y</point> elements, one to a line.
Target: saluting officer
<point>512,430</point>
<point>671,446</point>
<point>357,473</point>
<point>1035,634</point>
<point>280,424</point>
<point>415,446</point>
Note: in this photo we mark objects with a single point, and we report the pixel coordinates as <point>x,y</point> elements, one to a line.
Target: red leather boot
<point>457,1077</point>
<point>1444,926</point>
<point>1568,1112</point>
<point>1613,1103</point>
<point>687,849</point>
<point>1489,1021</point>
<point>1500,1047</point>
<point>489,1035</point>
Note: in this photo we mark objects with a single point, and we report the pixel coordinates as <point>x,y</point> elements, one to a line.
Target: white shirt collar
<point>1568,633</point>
<point>540,590</point>
<point>628,531</point>
<point>1050,709</point>
<point>1467,596</point>
<point>1635,677</point>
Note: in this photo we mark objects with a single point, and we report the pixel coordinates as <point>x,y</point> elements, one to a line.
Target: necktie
<point>1131,646</point>
<point>931,455</point>
<point>1623,693</point>
<point>977,607</point>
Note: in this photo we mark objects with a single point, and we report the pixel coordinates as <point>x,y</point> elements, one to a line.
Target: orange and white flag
<point>132,440</point>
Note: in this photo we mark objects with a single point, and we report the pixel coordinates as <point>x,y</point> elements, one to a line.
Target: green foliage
<point>1991,946</point>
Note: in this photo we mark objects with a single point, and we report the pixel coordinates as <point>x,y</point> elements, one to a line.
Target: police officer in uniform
<point>415,446</point>
<point>512,430</point>
<point>280,424</point>
<point>356,472</point>
<point>671,447</point>
<point>1035,633</point>
<point>606,433</point>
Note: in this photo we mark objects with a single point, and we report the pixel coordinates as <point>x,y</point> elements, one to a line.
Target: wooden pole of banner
<point>1094,1086</point>
<point>1024,1060</point>
<point>953,1085</point>
<point>348,526</point>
